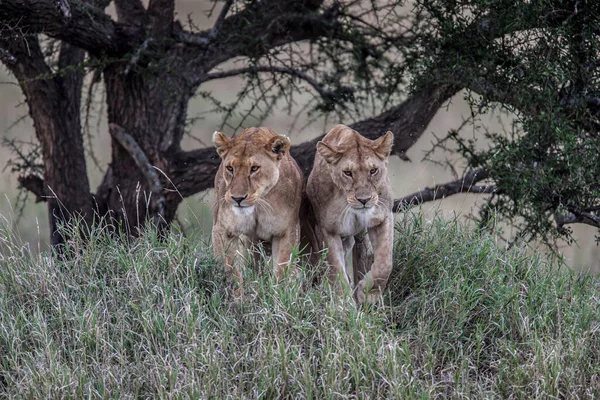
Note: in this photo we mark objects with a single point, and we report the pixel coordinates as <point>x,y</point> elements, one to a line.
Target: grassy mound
<point>462,317</point>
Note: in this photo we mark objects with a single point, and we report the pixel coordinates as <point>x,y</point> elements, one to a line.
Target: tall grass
<point>152,318</point>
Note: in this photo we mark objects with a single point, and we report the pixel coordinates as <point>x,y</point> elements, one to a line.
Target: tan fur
<point>269,199</point>
<point>339,213</point>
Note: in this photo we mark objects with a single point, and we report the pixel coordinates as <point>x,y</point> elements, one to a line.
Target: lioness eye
<point>373,171</point>
<point>229,168</point>
<point>348,173</point>
<point>254,168</point>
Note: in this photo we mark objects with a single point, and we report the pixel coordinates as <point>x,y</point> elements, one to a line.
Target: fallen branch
<point>463,185</point>
<point>141,160</point>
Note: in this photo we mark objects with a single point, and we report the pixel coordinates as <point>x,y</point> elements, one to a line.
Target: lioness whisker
<point>267,204</point>
<point>218,202</point>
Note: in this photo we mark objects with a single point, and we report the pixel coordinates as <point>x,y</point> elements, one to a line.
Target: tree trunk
<point>54,107</point>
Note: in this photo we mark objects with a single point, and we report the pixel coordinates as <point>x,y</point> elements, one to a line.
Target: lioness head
<point>358,166</point>
<point>250,165</point>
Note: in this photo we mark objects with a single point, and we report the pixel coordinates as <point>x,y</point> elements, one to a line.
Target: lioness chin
<point>350,194</point>
<point>258,190</point>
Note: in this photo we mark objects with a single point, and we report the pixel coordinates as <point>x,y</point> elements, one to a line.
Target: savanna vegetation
<point>463,317</point>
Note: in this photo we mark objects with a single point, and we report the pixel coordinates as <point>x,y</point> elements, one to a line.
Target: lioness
<point>350,194</point>
<point>258,190</point>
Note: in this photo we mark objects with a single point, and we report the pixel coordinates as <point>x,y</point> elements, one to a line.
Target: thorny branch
<point>326,94</point>
<point>467,184</point>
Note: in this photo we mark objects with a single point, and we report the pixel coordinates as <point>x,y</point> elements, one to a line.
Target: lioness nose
<point>364,200</point>
<point>238,199</point>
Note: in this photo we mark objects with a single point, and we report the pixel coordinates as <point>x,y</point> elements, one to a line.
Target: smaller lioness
<point>350,195</point>
<point>258,190</point>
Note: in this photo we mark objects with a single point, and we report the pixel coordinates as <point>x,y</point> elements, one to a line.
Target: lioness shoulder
<point>350,194</point>
<point>258,190</point>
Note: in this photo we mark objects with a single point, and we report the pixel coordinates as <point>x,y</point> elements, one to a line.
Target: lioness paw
<point>365,292</point>
<point>238,294</point>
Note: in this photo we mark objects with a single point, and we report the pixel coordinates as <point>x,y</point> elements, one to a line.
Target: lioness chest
<point>356,222</point>
<point>254,224</point>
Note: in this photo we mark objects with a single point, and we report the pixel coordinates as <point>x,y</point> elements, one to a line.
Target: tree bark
<point>54,107</point>
<point>152,109</point>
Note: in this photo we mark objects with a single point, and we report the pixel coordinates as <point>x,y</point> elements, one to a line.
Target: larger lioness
<point>258,190</point>
<point>350,194</point>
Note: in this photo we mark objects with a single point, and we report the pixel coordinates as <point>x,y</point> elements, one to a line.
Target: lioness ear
<point>330,154</point>
<point>383,145</point>
<point>222,143</point>
<point>279,145</point>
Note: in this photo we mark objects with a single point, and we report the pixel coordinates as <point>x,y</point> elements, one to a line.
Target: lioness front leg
<point>229,250</point>
<point>373,284</point>
<point>362,257</point>
<point>282,250</point>
<point>335,258</point>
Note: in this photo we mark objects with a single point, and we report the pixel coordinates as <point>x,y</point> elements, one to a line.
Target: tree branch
<point>147,170</point>
<point>463,185</point>
<point>214,31</point>
<point>88,28</point>
<point>28,66</point>
<point>194,171</point>
<point>408,121</point>
<point>191,39</point>
<point>259,27</point>
<point>324,93</point>
<point>491,92</point>
<point>575,216</point>
<point>137,55</point>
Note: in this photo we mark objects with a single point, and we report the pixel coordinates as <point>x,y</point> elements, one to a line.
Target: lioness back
<point>350,194</point>
<point>258,190</point>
